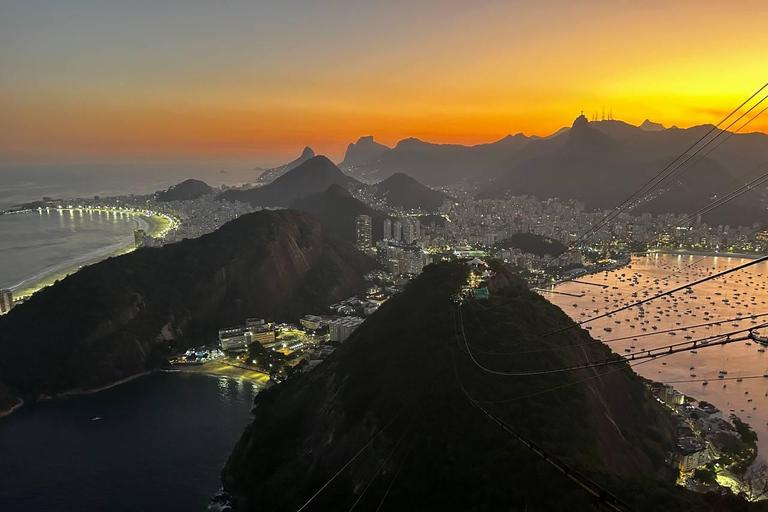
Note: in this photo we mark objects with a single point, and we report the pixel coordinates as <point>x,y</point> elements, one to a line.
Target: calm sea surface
<point>35,245</point>
<point>159,446</point>
<point>735,296</point>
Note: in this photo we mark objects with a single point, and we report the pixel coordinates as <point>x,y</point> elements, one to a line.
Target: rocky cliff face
<point>123,316</point>
<point>391,403</point>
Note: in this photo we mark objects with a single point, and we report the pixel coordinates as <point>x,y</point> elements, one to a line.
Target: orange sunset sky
<point>142,80</point>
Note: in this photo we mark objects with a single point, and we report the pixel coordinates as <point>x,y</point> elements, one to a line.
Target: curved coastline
<point>153,225</point>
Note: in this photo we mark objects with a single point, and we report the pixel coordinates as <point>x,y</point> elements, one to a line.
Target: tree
<point>704,476</point>
<point>756,480</point>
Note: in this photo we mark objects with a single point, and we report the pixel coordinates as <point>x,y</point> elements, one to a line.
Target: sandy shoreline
<point>222,369</point>
<point>154,225</point>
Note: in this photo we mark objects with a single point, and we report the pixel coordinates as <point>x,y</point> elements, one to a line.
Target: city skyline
<point>99,81</point>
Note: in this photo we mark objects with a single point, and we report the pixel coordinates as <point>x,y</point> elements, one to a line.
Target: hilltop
<point>436,164</point>
<point>336,210</point>
<point>123,316</point>
<point>364,150</point>
<point>402,373</point>
<point>270,175</point>
<point>314,175</point>
<point>184,191</point>
<point>401,190</point>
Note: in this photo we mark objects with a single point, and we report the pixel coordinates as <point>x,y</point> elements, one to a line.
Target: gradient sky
<point>95,80</point>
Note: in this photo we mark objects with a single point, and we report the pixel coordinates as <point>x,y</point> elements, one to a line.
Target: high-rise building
<point>387,229</point>
<point>363,232</point>
<point>409,230</point>
<point>138,237</point>
<point>6,301</point>
<point>397,229</point>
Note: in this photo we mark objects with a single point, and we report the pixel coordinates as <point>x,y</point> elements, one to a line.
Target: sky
<point>164,80</point>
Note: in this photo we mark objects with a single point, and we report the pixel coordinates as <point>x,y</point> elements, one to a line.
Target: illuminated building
<point>363,233</point>
<point>6,301</point>
<point>238,338</point>
<point>342,328</point>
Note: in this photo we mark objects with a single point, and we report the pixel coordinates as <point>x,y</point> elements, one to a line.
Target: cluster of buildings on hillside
<point>700,430</point>
<point>475,226</point>
<point>315,335</point>
<point>481,223</point>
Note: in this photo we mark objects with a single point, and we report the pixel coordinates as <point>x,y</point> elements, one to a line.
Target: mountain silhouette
<point>270,175</point>
<point>314,175</point>
<point>363,151</point>
<point>401,190</point>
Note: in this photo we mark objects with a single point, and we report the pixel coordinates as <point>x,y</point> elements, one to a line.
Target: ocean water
<point>22,184</point>
<point>35,245</point>
<point>160,445</point>
<point>735,296</point>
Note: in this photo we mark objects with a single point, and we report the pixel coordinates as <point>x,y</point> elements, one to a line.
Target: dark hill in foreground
<point>184,191</point>
<point>314,175</point>
<point>403,371</point>
<point>123,316</point>
<point>336,209</point>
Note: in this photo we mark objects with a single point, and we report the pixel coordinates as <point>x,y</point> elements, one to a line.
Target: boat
<point>96,418</point>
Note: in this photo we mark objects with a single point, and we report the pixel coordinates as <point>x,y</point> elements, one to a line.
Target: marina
<point>736,302</point>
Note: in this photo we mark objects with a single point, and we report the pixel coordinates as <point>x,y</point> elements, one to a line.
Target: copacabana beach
<point>37,248</point>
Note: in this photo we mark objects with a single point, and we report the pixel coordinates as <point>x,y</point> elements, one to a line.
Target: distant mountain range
<point>270,175</point>
<point>401,190</point>
<point>599,162</point>
<point>602,163</point>
<point>123,316</point>
<point>432,164</point>
<point>184,191</point>
<point>313,175</point>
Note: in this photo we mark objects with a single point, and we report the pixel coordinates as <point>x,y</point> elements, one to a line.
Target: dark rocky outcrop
<point>123,316</point>
<point>405,371</point>
<point>363,151</point>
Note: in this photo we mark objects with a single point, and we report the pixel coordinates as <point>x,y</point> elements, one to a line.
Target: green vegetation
<point>705,476</point>
<point>184,191</point>
<point>737,453</point>
<point>533,244</point>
